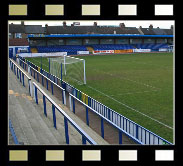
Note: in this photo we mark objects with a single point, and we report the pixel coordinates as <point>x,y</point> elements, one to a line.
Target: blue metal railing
<point>31,70</point>
<point>13,133</point>
<point>121,131</point>
<point>52,83</point>
<point>20,74</point>
<point>55,107</point>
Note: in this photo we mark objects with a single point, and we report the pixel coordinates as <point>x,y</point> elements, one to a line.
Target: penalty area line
<point>131,108</point>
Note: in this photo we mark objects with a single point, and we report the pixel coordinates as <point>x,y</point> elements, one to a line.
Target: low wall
<point>53,54</point>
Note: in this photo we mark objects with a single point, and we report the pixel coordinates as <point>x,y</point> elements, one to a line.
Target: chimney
<point>22,23</point>
<point>64,24</point>
<point>140,30</point>
<point>95,24</point>
<point>46,28</point>
<point>122,25</point>
<point>151,26</point>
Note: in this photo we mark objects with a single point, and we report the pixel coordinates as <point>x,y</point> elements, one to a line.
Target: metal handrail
<point>107,120</point>
<point>85,136</point>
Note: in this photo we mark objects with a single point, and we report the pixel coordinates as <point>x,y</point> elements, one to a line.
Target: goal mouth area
<point>69,68</point>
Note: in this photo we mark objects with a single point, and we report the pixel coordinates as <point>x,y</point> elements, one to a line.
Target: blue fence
<point>135,130</point>
<point>20,75</point>
<point>45,82</point>
<point>13,133</point>
<point>102,118</point>
<point>48,81</point>
<point>55,107</point>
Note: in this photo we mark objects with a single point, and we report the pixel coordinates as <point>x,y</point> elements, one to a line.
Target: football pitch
<point>138,86</point>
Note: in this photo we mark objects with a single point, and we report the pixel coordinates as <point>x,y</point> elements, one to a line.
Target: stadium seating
<point>72,49</point>
<point>112,47</point>
<point>153,47</point>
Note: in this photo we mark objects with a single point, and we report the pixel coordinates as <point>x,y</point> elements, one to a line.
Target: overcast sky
<point>145,24</point>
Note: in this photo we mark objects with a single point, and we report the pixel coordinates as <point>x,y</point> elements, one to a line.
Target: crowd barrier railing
<point>85,137</point>
<point>121,131</point>
<point>20,75</point>
<point>46,82</point>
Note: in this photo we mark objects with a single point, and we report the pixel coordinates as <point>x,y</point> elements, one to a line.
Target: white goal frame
<point>65,63</point>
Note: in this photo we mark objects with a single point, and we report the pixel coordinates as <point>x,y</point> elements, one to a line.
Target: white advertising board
<point>141,50</point>
<point>82,52</point>
<point>163,49</point>
<point>23,55</point>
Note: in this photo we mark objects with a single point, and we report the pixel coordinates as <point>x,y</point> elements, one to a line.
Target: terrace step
<point>29,126</point>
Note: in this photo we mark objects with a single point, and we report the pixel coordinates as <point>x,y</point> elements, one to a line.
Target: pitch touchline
<point>129,93</point>
<point>166,68</point>
<point>132,108</point>
<point>131,80</point>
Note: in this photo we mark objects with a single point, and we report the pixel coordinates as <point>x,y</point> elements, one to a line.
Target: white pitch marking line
<point>130,93</point>
<point>132,108</point>
<point>167,68</point>
<point>131,80</point>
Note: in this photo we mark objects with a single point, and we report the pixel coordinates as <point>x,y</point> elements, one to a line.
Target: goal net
<point>69,68</point>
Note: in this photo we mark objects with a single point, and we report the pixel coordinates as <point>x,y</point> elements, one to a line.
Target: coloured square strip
<point>17,10</point>
<point>91,155</point>
<point>127,10</point>
<point>127,155</point>
<point>54,155</point>
<point>54,10</point>
<point>18,155</point>
<point>163,10</point>
<point>90,10</point>
<point>164,155</point>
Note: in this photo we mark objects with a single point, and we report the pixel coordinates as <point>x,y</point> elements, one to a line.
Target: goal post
<point>72,68</point>
<point>69,68</point>
<point>84,72</point>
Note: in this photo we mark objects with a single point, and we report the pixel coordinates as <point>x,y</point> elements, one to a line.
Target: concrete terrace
<point>30,124</point>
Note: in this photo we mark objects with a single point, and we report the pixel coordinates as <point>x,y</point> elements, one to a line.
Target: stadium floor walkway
<point>30,124</point>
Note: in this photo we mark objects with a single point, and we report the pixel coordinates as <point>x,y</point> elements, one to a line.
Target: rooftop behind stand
<point>95,29</point>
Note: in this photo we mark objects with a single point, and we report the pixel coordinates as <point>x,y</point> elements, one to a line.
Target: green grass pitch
<point>138,86</point>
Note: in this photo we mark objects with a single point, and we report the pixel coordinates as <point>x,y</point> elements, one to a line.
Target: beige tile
<point>127,9</point>
<point>127,155</point>
<point>91,155</point>
<point>18,155</point>
<point>54,9</point>
<point>54,155</point>
<point>17,10</point>
<point>90,9</point>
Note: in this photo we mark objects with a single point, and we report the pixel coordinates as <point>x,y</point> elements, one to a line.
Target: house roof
<point>18,42</point>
